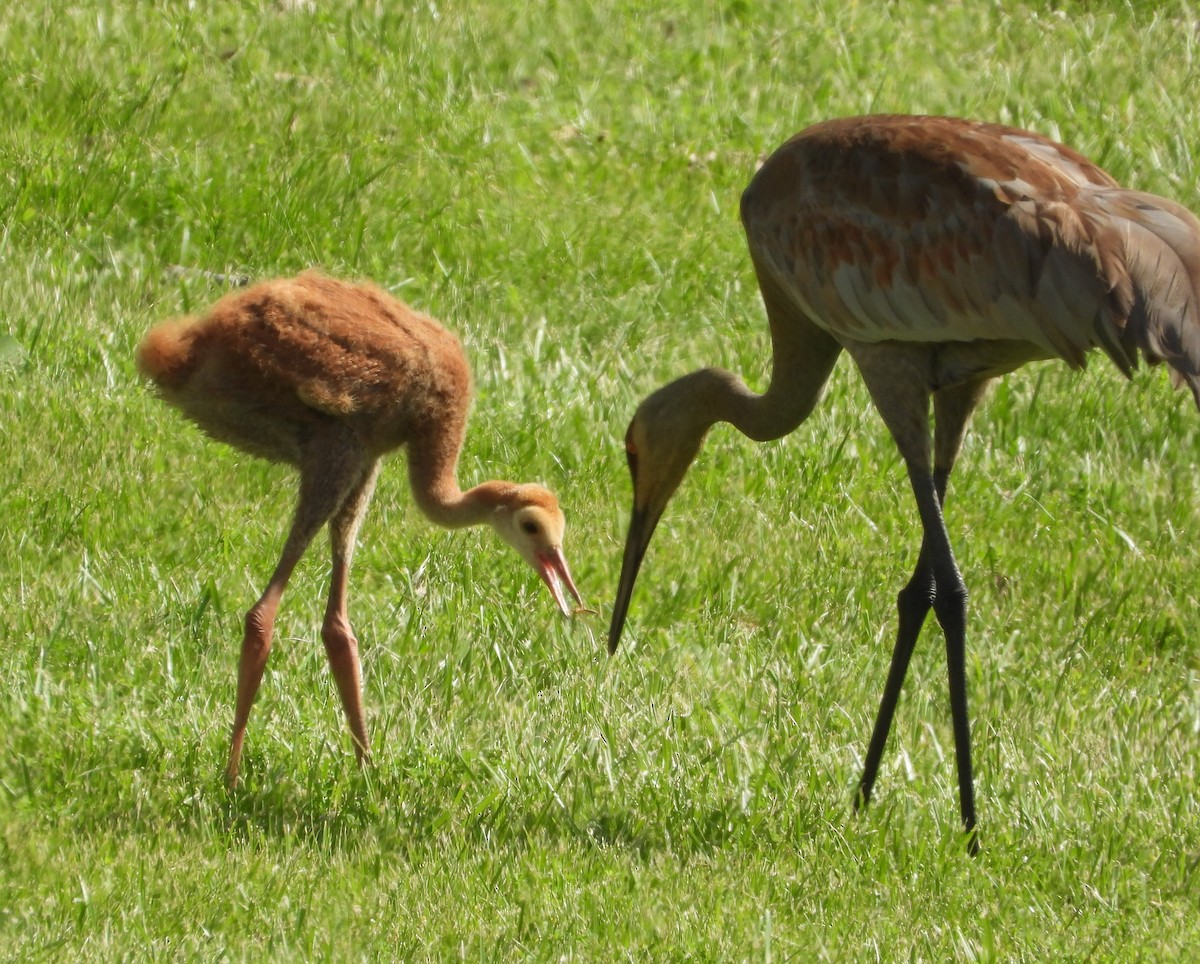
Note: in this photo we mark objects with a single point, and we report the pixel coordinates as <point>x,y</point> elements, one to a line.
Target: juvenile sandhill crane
<point>940,254</point>
<point>329,376</point>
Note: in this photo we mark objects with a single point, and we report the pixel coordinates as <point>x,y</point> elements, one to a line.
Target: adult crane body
<point>939,253</point>
<point>943,232</point>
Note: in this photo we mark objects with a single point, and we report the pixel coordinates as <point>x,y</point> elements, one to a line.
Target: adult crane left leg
<point>952,410</point>
<point>950,608</point>
<point>913,604</point>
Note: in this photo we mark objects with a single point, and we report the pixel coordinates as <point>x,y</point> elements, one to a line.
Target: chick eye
<point>529,527</point>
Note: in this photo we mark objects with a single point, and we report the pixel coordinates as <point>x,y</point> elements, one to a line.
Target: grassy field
<point>559,183</point>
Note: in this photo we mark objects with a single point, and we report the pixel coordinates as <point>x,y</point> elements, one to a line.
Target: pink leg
<point>256,644</point>
<point>341,646</point>
<point>331,469</point>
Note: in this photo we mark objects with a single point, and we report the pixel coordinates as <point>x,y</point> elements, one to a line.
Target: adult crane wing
<point>941,230</point>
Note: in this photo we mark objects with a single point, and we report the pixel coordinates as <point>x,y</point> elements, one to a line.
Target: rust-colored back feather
<point>266,364</point>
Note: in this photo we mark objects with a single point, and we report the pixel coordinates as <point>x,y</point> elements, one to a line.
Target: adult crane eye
<point>529,527</point>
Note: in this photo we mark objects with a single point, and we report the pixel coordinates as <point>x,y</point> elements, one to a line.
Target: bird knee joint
<point>916,594</point>
<point>259,623</point>
<point>337,636</point>
<point>950,601</point>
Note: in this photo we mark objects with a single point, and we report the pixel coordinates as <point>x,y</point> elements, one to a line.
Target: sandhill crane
<point>329,376</point>
<point>940,254</point>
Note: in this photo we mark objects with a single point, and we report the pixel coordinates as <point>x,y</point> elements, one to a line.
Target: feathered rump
<point>1162,256</point>
<point>166,354</point>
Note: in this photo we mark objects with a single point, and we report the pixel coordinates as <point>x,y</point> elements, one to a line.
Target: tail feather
<point>167,353</point>
<point>1162,253</point>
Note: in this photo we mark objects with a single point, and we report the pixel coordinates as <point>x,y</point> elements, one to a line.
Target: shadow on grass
<point>421,800</point>
<point>134,784</point>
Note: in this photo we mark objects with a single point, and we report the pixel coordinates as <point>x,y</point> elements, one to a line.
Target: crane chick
<point>329,376</point>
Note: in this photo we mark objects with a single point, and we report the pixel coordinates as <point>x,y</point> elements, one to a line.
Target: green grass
<point>559,183</point>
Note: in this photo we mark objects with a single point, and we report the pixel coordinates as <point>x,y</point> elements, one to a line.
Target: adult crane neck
<point>761,417</point>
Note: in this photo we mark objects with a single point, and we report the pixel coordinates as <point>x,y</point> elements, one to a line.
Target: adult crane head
<point>662,441</point>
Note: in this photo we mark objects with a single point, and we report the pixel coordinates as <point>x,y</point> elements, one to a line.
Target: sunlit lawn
<point>559,183</point>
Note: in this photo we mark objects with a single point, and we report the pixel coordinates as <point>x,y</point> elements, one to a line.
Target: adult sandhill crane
<point>940,254</point>
<point>329,376</point>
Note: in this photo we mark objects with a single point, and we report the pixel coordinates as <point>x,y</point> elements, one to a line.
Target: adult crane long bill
<point>642,523</point>
<point>656,481</point>
<point>636,543</point>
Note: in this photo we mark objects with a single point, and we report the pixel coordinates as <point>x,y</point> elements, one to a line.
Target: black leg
<point>950,607</point>
<point>898,379</point>
<point>912,604</point>
<point>951,611</point>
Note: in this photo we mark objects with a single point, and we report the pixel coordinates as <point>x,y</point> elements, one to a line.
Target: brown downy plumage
<point>329,376</point>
